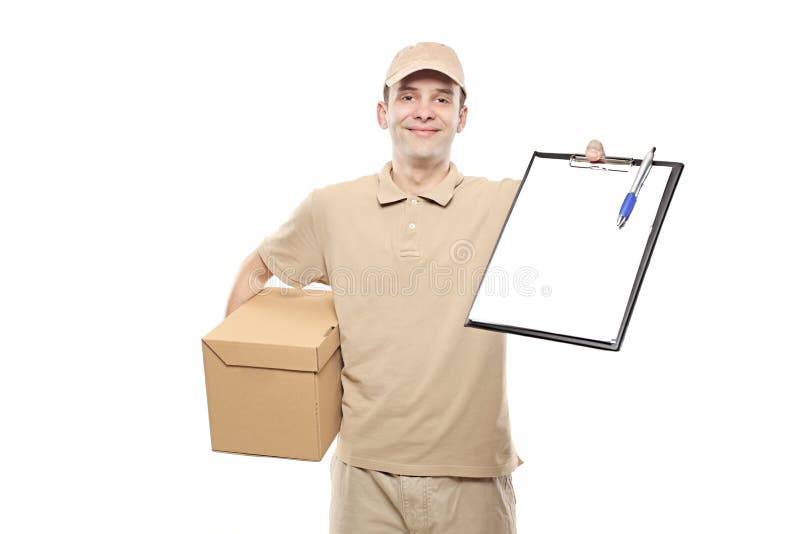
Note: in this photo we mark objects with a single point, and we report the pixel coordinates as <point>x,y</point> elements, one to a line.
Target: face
<point>422,116</point>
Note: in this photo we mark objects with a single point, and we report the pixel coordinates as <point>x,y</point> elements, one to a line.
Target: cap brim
<point>402,73</point>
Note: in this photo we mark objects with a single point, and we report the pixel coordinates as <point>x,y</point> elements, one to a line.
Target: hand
<point>594,150</point>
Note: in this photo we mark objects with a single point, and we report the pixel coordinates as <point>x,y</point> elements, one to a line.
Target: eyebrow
<point>412,88</point>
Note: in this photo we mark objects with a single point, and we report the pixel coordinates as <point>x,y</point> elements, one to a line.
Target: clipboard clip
<point>607,164</point>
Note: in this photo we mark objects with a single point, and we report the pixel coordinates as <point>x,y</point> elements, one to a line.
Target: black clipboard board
<point>601,318</point>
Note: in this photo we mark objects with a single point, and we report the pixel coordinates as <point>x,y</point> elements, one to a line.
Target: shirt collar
<point>441,194</point>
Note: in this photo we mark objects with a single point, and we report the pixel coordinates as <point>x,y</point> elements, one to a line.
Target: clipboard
<point>561,269</point>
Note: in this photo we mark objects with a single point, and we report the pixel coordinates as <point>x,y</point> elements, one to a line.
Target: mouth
<point>422,132</point>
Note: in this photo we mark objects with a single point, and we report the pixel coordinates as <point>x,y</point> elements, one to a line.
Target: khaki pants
<point>374,502</point>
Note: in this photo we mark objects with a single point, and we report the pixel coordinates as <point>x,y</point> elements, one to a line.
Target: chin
<point>424,156</point>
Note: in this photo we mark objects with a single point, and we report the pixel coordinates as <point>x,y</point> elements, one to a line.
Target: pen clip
<point>607,164</point>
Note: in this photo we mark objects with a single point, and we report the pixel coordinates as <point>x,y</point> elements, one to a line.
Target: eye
<point>406,97</point>
<point>443,100</point>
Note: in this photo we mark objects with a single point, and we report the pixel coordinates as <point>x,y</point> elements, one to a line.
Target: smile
<point>422,133</point>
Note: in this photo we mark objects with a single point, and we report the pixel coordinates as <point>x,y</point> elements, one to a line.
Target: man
<point>425,443</point>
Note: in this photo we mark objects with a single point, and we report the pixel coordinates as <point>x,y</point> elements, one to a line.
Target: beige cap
<point>421,56</point>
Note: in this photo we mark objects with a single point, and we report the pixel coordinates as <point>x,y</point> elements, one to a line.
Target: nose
<point>423,111</point>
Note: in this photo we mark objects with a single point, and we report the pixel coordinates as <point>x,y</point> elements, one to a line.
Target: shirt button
<point>412,226</point>
<point>414,201</point>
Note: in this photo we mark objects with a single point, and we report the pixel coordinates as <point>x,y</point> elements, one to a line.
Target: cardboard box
<point>273,375</point>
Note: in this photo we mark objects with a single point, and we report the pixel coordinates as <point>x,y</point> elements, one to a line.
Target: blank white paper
<point>561,264</point>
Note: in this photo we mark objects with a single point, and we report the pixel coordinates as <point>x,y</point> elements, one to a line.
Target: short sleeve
<point>294,251</point>
<point>507,191</point>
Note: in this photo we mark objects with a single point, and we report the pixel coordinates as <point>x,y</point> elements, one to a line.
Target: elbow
<point>257,268</point>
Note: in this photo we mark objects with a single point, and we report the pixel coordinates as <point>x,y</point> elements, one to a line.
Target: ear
<point>462,119</point>
<point>381,112</point>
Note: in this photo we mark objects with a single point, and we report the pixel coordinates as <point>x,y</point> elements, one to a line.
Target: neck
<point>419,177</point>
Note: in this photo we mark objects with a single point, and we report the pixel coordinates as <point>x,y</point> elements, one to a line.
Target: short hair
<point>462,98</point>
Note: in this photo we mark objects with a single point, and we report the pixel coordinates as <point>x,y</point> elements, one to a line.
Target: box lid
<point>279,328</point>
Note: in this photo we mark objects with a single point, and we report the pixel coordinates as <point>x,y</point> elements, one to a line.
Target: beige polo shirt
<point>422,394</point>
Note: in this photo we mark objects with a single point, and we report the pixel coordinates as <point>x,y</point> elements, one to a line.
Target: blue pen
<point>630,199</point>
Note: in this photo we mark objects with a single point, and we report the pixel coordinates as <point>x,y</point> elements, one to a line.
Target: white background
<point>147,147</point>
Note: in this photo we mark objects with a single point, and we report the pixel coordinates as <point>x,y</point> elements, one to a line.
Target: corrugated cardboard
<point>273,375</point>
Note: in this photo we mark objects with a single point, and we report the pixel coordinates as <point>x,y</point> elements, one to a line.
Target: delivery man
<point>425,443</point>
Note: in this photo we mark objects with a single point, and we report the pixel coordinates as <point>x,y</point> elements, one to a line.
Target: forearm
<point>251,278</point>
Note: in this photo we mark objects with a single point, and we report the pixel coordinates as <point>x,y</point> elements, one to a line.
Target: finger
<point>595,151</point>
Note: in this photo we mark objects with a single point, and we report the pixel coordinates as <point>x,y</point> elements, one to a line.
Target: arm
<point>253,274</point>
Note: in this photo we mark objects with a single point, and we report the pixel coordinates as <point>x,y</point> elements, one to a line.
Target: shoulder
<point>481,181</point>
<point>478,192</point>
<point>481,186</point>
<point>347,195</point>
